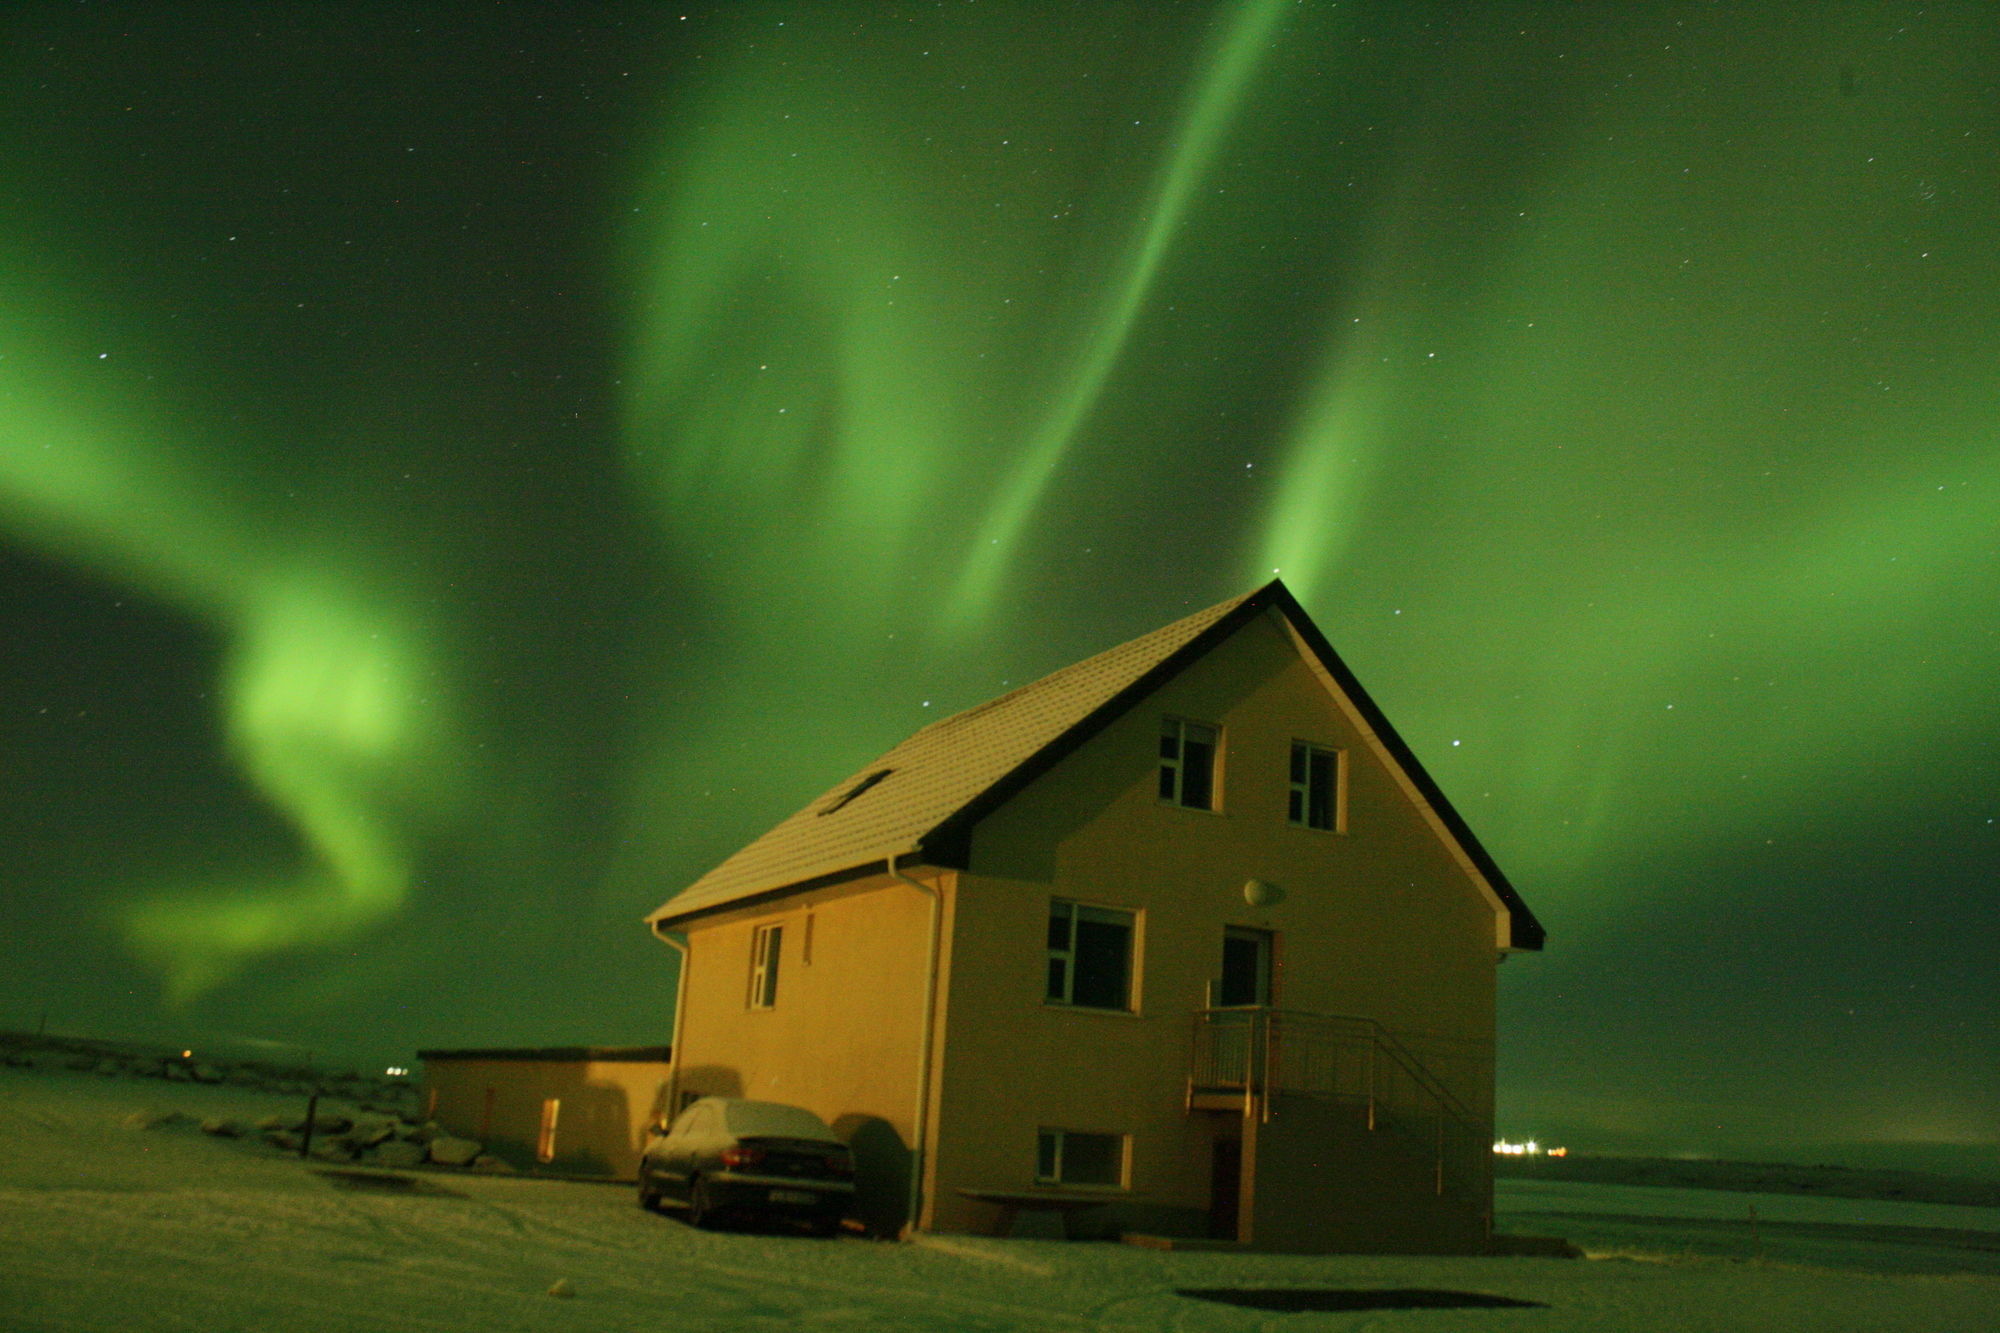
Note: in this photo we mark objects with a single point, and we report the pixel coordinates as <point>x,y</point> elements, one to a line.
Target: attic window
<point>857,789</point>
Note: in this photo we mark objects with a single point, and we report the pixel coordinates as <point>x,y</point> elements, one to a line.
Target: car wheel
<point>649,1198</point>
<point>701,1208</point>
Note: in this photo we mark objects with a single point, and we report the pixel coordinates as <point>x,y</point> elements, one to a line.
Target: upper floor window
<point>1319,787</point>
<point>765,947</point>
<point>1090,955</point>
<point>1187,763</point>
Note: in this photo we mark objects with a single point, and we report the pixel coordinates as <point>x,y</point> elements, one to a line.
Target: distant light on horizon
<point>1530,1148</point>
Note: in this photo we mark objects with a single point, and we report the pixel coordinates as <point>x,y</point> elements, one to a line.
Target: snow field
<point>104,1227</point>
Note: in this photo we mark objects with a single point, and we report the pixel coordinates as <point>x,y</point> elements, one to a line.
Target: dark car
<point>725,1157</point>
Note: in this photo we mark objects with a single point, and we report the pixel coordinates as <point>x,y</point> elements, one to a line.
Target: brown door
<point>1225,1190</point>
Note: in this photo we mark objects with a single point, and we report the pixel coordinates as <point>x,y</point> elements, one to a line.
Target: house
<point>572,1110</point>
<point>1181,934</point>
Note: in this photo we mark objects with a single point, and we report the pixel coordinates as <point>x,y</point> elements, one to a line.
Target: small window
<point>1090,955</point>
<point>1072,1157</point>
<point>1187,764</point>
<point>545,1141</point>
<point>765,947</point>
<point>1319,787</point>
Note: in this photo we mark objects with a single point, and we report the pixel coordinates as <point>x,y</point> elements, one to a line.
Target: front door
<point>1225,1189</point>
<point>1246,967</point>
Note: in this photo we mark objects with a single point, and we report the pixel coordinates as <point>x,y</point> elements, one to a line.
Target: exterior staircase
<point>1247,1058</point>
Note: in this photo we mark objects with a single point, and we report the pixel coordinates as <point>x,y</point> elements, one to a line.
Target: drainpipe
<point>919,1135</point>
<point>680,1019</point>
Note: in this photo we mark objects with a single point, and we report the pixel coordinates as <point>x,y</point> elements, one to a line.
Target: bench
<point>1012,1202</point>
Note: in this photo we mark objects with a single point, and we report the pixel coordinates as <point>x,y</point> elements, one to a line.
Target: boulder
<point>175,1072</point>
<point>202,1073</point>
<point>493,1166</point>
<point>333,1148</point>
<point>448,1151</point>
<point>397,1154</point>
<point>153,1119</point>
<point>329,1122</point>
<point>19,1060</point>
<point>282,1140</point>
<point>109,1068</point>
<point>368,1133</point>
<point>82,1064</point>
<point>222,1128</point>
<point>271,1122</point>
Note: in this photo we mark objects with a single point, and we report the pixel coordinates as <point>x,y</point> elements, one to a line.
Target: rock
<point>493,1166</point>
<point>271,1122</point>
<point>333,1148</point>
<point>368,1133</point>
<point>82,1064</point>
<point>205,1074</point>
<point>563,1287</point>
<point>20,1060</point>
<point>330,1122</point>
<point>152,1119</point>
<point>109,1068</point>
<point>282,1140</point>
<point>448,1151</point>
<point>396,1153</point>
<point>221,1128</point>
<point>174,1071</point>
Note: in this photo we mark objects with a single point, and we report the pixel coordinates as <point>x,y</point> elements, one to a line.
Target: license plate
<point>793,1196</point>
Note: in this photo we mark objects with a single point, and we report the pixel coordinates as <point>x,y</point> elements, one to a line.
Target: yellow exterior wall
<point>1379,922</point>
<point>605,1106</point>
<point>842,1039</point>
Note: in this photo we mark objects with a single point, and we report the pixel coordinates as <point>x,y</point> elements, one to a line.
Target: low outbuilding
<point>570,1110</point>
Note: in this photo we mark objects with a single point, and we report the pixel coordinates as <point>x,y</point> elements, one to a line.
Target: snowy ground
<point>105,1227</point>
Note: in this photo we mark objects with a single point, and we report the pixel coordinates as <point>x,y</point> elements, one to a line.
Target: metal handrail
<point>1259,1059</point>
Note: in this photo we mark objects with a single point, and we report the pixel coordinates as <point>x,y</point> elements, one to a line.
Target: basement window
<point>1073,1157</point>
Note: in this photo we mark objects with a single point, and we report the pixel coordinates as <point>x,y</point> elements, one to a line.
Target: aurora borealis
<point>464,470</point>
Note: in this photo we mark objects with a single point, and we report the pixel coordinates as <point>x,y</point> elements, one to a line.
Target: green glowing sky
<point>461,474</point>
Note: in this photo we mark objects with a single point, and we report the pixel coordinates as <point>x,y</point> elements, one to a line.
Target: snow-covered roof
<point>919,801</point>
<point>890,805</point>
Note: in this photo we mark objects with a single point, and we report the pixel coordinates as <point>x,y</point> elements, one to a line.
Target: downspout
<point>919,1136</point>
<point>680,947</point>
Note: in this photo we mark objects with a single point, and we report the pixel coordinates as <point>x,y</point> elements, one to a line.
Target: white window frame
<point>1301,788</point>
<point>1067,956</point>
<point>767,950</point>
<point>1177,727</point>
<point>1046,1133</point>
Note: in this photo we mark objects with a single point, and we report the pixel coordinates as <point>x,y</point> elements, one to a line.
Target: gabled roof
<point>920,801</point>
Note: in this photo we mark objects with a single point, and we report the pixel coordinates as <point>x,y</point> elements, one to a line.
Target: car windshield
<point>771,1120</point>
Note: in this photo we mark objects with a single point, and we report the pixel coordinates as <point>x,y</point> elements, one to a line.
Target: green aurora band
<point>1618,396</point>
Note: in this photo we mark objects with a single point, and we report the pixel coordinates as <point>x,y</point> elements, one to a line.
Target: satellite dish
<point>1259,893</point>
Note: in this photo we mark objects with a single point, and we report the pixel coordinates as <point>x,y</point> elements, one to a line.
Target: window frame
<point>1175,727</point>
<point>1299,789</point>
<point>545,1135</point>
<point>1045,1134</point>
<point>767,950</point>
<point>1067,956</point>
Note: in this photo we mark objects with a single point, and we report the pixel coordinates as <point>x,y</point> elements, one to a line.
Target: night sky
<point>465,471</point>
